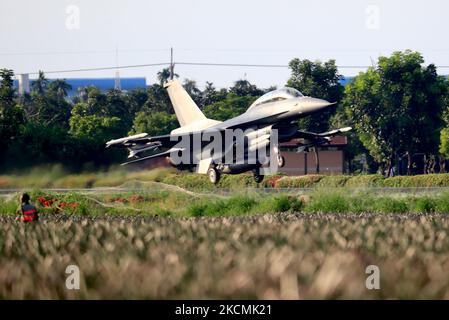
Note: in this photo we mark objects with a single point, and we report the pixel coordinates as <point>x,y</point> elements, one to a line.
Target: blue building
<point>103,84</point>
<point>126,84</point>
<point>346,80</point>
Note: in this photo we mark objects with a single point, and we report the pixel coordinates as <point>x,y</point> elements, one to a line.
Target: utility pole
<point>172,65</point>
<point>24,83</point>
<point>117,85</point>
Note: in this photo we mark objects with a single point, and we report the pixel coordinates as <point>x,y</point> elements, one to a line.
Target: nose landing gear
<point>281,161</point>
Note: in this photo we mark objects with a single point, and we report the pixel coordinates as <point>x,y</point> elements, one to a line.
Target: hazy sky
<point>73,34</point>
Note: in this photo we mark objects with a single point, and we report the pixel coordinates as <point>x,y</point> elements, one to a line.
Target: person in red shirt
<point>28,211</point>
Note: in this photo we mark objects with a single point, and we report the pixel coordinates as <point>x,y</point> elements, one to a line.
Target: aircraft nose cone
<point>313,104</point>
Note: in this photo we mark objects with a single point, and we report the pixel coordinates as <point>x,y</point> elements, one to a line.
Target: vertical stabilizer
<point>186,109</point>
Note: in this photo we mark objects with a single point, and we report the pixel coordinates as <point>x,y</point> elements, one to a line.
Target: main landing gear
<point>213,175</point>
<point>258,178</point>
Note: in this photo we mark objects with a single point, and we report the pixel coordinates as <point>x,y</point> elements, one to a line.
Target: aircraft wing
<point>312,139</point>
<point>142,143</point>
<point>314,136</point>
<point>156,155</point>
<point>138,139</point>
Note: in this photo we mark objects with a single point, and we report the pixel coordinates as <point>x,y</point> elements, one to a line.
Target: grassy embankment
<point>159,194</point>
<point>182,204</point>
<point>56,177</point>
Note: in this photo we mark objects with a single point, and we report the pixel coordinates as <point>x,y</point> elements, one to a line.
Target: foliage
<point>444,142</point>
<point>307,181</point>
<point>11,114</point>
<point>58,177</point>
<point>320,80</point>
<point>389,102</point>
<point>228,108</point>
<point>444,134</point>
<point>154,123</point>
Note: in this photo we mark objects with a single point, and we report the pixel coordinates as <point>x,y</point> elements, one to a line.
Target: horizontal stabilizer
<point>334,132</point>
<point>313,135</point>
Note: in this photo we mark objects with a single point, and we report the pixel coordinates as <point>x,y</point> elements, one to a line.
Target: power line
<point>199,64</point>
<point>184,63</point>
<point>232,64</point>
<point>267,65</point>
<point>79,52</point>
<point>254,65</point>
<point>106,68</point>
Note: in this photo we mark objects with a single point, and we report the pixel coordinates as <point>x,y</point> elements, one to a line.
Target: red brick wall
<point>331,162</point>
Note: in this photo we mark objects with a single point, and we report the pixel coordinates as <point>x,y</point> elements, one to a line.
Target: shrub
<point>8,207</point>
<point>236,181</point>
<point>281,204</point>
<point>272,181</point>
<point>390,205</point>
<point>189,181</point>
<point>333,181</point>
<point>421,181</point>
<point>362,203</point>
<point>396,182</point>
<point>327,202</point>
<point>425,205</point>
<point>240,204</point>
<point>162,212</point>
<point>196,210</point>
<point>442,203</point>
<point>296,204</point>
<point>371,180</point>
<point>273,204</point>
<point>307,181</point>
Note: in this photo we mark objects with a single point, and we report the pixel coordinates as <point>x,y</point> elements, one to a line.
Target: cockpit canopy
<point>277,95</point>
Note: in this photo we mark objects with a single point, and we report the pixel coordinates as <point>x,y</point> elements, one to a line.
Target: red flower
<point>41,200</point>
<point>46,203</point>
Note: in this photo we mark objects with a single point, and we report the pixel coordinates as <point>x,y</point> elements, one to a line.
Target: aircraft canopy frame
<point>277,95</point>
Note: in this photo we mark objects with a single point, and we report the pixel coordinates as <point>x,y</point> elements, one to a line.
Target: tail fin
<point>186,109</point>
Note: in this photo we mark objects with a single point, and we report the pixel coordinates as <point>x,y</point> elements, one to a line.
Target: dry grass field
<point>159,238</point>
<point>270,256</point>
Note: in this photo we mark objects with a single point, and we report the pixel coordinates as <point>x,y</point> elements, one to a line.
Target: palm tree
<point>83,93</point>
<point>164,75</point>
<point>40,84</point>
<point>60,87</point>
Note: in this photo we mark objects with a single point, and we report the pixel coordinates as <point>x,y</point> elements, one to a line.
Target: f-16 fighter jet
<point>248,142</point>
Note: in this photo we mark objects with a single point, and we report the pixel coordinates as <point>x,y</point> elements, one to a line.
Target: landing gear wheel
<point>281,161</point>
<point>258,178</point>
<point>214,175</point>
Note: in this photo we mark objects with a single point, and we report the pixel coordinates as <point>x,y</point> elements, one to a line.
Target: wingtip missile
<point>125,139</point>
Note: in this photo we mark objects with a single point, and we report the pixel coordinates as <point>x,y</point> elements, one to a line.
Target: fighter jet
<point>274,112</point>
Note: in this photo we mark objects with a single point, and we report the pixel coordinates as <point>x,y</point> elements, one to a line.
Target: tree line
<point>399,110</point>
